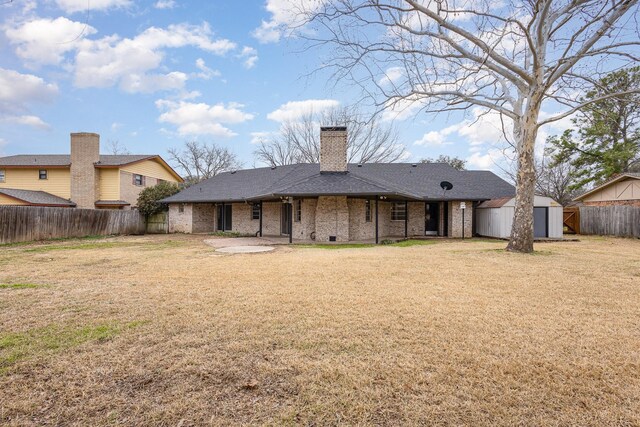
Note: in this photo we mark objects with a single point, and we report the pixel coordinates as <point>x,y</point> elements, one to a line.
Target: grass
<point>56,240</point>
<point>231,234</point>
<point>46,341</point>
<point>448,334</point>
<point>399,244</point>
<point>19,286</point>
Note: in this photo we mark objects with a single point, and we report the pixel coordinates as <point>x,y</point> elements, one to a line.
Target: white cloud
<point>295,110</point>
<point>200,118</point>
<point>433,138</point>
<point>267,32</point>
<point>3,143</point>
<point>130,62</point>
<point>25,120</point>
<point>71,6</point>
<point>45,41</point>
<point>149,83</point>
<point>250,56</point>
<point>392,75</point>
<point>18,91</point>
<point>205,73</point>
<point>165,4</point>
<point>258,137</point>
<point>402,109</point>
<point>489,160</point>
<point>285,16</point>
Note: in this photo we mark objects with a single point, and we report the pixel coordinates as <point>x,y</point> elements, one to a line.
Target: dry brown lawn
<point>163,331</point>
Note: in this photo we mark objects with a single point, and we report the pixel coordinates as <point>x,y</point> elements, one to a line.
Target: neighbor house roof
<point>396,180</point>
<point>64,160</point>
<point>40,198</point>
<point>495,203</point>
<point>617,178</point>
<point>27,160</point>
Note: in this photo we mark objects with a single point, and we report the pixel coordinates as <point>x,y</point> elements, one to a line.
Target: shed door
<point>540,222</point>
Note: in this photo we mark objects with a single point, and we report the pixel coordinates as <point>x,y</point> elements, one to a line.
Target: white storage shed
<point>495,217</point>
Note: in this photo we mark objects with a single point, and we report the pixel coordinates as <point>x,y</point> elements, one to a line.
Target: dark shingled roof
<point>401,180</point>
<point>65,159</point>
<point>36,197</point>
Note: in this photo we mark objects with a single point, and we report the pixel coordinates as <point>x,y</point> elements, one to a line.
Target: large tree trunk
<point>521,239</point>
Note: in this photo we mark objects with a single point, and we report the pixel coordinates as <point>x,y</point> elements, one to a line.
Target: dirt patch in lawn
<point>158,330</point>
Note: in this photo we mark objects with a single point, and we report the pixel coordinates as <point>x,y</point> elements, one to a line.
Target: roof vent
<point>413,165</point>
<point>359,165</point>
<point>232,172</point>
<point>273,167</point>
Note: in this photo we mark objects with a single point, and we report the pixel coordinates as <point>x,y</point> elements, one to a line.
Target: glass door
<point>285,219</point>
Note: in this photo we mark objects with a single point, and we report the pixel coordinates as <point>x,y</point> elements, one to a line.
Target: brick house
<point>83,179</point>
<point>623,189</point>
<point>336,201</point>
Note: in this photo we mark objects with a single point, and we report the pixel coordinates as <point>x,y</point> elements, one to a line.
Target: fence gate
<point>571,220</point>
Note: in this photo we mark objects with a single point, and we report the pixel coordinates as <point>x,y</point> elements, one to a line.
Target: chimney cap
<point>333,129</point>
<point>84,134</point>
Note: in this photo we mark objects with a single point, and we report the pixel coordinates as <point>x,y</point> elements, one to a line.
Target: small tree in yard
<point>149,198</point>
<point>531,62</point>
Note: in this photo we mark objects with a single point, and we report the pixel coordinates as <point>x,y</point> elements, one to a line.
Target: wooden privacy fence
<point>158,223</point>
<point>571,220</point>
<point>618,220</point>
<point>26,223</point>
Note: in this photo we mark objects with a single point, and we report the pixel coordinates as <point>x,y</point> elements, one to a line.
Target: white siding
<point>497,222</point>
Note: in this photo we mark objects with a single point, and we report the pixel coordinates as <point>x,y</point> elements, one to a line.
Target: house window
<point>398,211</point>
<point>255,211</point>
<point>298,207</point>
<point>181,208</point>
<point>2,175</point>
<point>367,210</point>
<point>42,174</point>
<point>138,179</point>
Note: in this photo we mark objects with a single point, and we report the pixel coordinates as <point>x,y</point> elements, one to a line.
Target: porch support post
<point>260,232</point>
<point>290,222</point>
<point>376,220</point>
<point>406,219</point>
<point>224,223</point>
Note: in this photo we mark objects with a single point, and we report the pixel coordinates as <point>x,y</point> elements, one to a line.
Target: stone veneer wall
<point>307,225</point>
<point>180,222</point>
<point>196,218</point>
<point>332,218</point>
<point>203,218</point>
<point>359,228</point>
<point>271,218</point>
<point>85,153</point>
<point>455,220</point>
<point>333,150</point>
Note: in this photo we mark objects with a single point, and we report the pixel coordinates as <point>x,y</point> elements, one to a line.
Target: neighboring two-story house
<point>83,179</point>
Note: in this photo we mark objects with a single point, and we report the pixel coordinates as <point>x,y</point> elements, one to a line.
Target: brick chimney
<point>85,152</point>
<point>333,149</point>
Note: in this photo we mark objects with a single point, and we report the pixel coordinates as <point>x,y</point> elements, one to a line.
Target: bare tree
<point>200,161</point>
<point>530,61</point>
<point>368,140</point>
<point>114,147</point>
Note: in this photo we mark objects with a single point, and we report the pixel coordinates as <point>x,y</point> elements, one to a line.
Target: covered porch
<point>334,218</point>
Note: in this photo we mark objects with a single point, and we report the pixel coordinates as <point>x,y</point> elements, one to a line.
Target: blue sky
<point>154,74</point>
